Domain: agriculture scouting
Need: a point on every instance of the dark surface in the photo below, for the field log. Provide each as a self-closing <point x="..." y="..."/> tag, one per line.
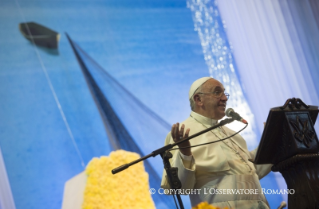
<point x="301" y="173"/>
<point x="291" y="144"/>
<point x="39" y="34"/>
<point x="278" y="142"/>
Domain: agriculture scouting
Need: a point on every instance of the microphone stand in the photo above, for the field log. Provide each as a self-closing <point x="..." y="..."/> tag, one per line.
<point x="171" y="172"/>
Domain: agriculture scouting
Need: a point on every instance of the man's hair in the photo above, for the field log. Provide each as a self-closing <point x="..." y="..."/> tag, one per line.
<point x="191" y="100"/>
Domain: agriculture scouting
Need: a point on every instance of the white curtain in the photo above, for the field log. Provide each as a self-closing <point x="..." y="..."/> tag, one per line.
<point x="6" y="199"/>
<point x="276" y="48"/>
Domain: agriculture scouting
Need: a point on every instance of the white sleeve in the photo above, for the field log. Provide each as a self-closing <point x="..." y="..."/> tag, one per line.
<point x="188" y="161"/>
<point x="261" y="169"/>
<point x="186" y="168"/>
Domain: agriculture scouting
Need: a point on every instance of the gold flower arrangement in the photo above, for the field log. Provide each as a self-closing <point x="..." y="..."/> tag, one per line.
<point x="127" y="189"/>
<point x="205" y="205"/>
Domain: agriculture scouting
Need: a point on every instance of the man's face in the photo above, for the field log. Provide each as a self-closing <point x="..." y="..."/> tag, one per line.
<point x="213" y="106"/>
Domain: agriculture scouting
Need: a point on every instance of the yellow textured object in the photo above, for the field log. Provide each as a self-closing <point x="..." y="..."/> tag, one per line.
<point x="127" y="189"/>
<point x="205" y="205"/>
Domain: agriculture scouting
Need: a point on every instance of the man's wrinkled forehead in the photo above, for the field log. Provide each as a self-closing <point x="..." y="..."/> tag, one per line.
<point x="213" y="85"/>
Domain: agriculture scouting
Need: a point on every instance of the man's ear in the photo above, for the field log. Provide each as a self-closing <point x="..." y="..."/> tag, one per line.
<point x="197" y="99"/>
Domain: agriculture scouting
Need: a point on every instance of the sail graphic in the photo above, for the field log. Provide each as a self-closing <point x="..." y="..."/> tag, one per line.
<point x="129" y="124"/>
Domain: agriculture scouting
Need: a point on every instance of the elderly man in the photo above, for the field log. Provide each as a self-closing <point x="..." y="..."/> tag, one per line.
<point x="220" y="173"/>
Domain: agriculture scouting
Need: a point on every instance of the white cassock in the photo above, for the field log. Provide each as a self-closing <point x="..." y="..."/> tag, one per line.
<point x="219" y="173"/>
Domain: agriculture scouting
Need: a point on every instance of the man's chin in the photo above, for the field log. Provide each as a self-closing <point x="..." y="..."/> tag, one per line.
<point x="221" y="115"/>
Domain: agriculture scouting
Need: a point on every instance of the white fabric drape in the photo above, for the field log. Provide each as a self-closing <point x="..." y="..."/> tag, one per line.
<point x="6" y="199"/>
<point x="276" y="49"/>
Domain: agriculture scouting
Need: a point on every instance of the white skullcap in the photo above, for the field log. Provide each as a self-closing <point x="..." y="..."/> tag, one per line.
<point x="196" y="85"/>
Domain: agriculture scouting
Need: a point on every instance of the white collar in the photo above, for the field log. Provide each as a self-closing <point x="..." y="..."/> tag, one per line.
<point x="204" y="120"/>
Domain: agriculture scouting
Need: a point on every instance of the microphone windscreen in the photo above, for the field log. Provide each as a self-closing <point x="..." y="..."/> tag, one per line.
<point x="228" y="111"/>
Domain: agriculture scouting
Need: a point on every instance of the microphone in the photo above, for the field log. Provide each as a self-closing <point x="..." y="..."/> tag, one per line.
<point x="231" y="113"/>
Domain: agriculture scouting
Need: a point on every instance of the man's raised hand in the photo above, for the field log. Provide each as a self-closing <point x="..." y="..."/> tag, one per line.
<point x="178" y="135"/>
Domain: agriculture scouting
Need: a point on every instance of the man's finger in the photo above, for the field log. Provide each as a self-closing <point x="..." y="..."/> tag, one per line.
<point x="181" y="132"/>
<point x="187" y="132"/>
<point x="173" y="131"/>
<point x="176" y="131"/>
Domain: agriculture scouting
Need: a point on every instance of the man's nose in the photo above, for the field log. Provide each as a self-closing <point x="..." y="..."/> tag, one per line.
<point x="224" y="97"/>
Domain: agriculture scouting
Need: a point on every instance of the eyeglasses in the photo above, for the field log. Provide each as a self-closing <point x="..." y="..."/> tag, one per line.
<point x="216" y="94"/>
